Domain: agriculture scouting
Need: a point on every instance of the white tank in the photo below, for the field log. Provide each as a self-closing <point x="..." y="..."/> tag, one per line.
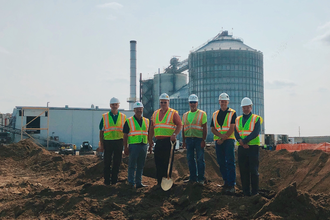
<point x="164" y="83"/>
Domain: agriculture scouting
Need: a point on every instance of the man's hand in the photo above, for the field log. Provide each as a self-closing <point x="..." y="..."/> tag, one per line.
<point x="203" y="144"/>
<point x="219" y="141"/>
<point x="245" y="146"/>
<point x="241" y="142"/>
<point x="126" y="151"/>
<point x="151" y="144"/>
<point x="183" y="145"/>
<point x="101" y="148"/>
<point x="173" y="137"/>
<point x="223" y="136"/>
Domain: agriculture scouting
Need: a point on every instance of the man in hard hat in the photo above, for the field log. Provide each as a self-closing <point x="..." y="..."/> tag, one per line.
<point x="164" y="126"/>
<point x="194" y="132"/>
<point x="247" y="134"/>
<point x="135" y="143"/>
<point x="222" y="126"/>
<point x="111" y="140"/>
<point x="74" y="149"/>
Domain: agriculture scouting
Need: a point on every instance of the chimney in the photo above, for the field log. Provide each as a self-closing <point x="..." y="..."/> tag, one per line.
<point x="132" y="97"/>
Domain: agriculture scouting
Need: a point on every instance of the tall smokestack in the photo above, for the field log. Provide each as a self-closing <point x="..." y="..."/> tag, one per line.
<point x="132" y="97"/>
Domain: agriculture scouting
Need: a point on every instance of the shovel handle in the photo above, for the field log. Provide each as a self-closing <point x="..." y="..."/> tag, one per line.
<point x="170" y="159"/>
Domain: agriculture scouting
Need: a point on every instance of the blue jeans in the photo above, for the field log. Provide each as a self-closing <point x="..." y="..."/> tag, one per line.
<point x="137" y="157"/>
<point x="192" y="145"/>
<point x="226" y="160"/>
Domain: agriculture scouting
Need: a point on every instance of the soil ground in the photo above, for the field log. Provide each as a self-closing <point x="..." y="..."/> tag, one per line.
<point x="38" y="184"/>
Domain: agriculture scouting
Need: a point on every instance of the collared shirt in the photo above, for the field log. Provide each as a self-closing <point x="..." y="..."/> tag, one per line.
<point x="221" y="117"/>
<point x="114" y="118"/>
<point x="253" y="134"/>
<point x="126" y="129"/>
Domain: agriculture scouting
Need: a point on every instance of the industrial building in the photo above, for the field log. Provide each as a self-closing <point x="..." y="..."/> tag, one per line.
<point x="222" y="64"/>
<point x="68" y="125"/>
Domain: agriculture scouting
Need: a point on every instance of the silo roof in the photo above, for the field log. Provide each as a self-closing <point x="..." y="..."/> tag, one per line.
<point x="224" y="41"/>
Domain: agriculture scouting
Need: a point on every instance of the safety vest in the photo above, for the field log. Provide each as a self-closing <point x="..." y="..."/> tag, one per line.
<point x="113" y="131"/>
<point x="226" y="123"/>
<point x="137" y="134"/>
<point x="166" y="127"/>
<point x="194" y="129"/>
<point x="248" y="128"/>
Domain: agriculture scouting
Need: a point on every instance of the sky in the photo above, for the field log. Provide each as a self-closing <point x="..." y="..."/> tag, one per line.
<point x="76" y="52"/>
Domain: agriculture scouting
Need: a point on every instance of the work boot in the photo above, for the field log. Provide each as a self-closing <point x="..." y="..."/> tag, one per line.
<point x="230" y="189"/>
<point x="201" y="183"/>
<point x="107" y="182"/>
<point x="141" y="186"/>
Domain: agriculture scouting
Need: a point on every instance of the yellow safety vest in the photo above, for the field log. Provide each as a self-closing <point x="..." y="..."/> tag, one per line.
<point x="137" y="134"/>
<point x="248" y="128"/>
<point x="194" y="129"/>
<point x="113" y="131"/>
<point x="166" y="127"/>
<point x="225" y="125"/>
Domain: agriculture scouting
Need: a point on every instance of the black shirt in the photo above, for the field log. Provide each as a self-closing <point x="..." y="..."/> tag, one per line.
<point x="221" y="117"/>
<point x="126" y="129"/>
<point x="253" y="134"/>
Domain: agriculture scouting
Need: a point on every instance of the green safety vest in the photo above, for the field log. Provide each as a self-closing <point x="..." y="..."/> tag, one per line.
<point x="194" y="129"/>
<point x="137" y="134"/>
<point x="113" y="131"/>
<point x="226" y="124"/>
<point x="166" y="127"/>
<point x="248" y="128"/>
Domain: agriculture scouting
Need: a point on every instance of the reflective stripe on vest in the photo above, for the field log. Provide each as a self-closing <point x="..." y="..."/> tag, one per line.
<point x="248" y="128"/>
<point x="226" y="123"/>
<point x="194" y="129"/>
<point x="166" y="127"/>
<point x="137" y="134"/>
<point x="113" y="131"/>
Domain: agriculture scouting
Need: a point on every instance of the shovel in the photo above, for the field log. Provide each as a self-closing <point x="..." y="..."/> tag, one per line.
<point x="167" y="182"/>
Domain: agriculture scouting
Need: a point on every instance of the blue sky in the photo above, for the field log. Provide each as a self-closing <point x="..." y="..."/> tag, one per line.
<point x="76" y="53"/>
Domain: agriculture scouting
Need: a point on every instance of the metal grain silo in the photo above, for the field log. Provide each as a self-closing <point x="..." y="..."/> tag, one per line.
<point x="226" y="64"/>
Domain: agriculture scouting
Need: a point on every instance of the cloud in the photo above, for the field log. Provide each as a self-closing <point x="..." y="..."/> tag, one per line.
<point x="323" y="90"/>
<point x="325" y="38"/>
<point x="112" y="5"/>
<point x="325" y="26"/>
<point x="111" y="17"/>
<point x="277" y="84"/>
<point x="3" y="50"/>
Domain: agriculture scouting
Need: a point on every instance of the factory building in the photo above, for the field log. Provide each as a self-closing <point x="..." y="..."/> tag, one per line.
<point x="223" y="64"/>
<point x="68" y="125"/>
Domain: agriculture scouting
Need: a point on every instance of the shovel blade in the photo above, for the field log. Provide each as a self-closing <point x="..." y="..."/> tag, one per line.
<point x="166" y="183"/>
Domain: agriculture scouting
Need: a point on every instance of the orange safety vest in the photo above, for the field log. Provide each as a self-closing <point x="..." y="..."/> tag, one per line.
<point x="194" y="129"/>
<point x="226" y="123"/>
<point x="166" y="127"/>
<point x="113" y="131"/>
<point x="137" y="133"/>
<point x="248" y="128"/>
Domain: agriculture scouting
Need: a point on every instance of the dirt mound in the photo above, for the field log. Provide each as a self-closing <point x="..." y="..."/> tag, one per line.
<point x="38" y="184"/>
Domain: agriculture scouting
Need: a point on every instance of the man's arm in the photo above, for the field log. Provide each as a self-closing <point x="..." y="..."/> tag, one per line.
<point x="204" y="126"/>
<point x="178" y="123"/>
<point x="101" y="136"/>
<point x="151" y="136"/>
<point x="183" y="138"/>
<point x="126" y="151"/>
<point x="215" y="132"/>
<point x="254" y="133"/>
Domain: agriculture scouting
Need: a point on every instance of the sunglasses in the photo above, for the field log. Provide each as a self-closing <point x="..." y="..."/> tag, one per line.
<point x="163" y="102"/>
<point x="192" y="102"/>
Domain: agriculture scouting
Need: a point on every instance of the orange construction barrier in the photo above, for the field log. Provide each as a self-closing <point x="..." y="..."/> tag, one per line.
<point x="298" y="147"/>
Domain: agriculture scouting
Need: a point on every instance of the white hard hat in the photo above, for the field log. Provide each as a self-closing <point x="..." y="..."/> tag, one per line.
<point x="193" y="98"/>
<point x="114" y="100"/>
<point x="246" y="101"/>
<point x="164" y="96"/>
<point x="224" y="96"/>
<point x="138" y="105"/>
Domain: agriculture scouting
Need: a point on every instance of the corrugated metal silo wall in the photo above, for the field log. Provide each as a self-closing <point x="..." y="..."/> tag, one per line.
<point x="147" y="97"/>
<point x="239" y="73"/>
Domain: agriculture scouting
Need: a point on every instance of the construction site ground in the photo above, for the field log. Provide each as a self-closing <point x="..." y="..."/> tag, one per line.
<point x="38" y="184"/>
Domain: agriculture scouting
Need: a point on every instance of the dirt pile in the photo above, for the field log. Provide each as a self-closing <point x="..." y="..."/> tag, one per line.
<point x="37" y="184"/>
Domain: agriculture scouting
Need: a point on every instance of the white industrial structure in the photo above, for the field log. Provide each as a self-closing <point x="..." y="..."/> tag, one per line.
<point x="68" y="125"/>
